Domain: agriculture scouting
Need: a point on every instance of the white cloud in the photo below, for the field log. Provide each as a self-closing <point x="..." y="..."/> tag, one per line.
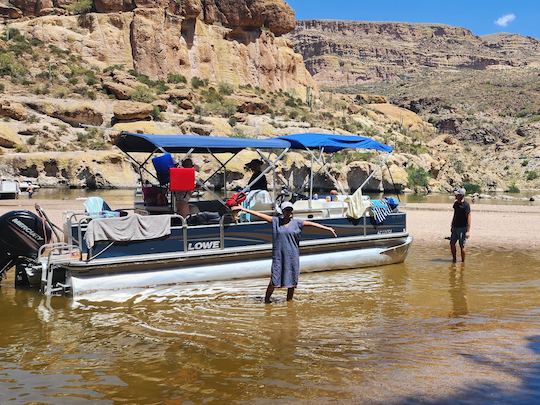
<point x="505" y="20"/>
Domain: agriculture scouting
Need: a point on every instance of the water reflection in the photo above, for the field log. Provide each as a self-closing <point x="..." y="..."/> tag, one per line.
<point x="457" y="290"/>
<point x="452" y="333"/>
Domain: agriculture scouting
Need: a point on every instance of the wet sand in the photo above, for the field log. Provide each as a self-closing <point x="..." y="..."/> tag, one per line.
<point x="493" y="226"/>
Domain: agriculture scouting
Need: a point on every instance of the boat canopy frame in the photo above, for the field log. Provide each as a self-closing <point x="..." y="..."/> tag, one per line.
<point x="315" y="144"/>
<point x="130" y="143"/>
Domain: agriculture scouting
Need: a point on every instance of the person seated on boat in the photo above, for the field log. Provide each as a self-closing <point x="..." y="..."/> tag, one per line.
<point x="182" y="198"/>
<point x="153" y="195"/>
<point x="256" y="167"/>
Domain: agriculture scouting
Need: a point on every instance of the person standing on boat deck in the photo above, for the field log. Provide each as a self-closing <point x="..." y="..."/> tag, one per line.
<point x="256" y="167"/>
<point x="182" y="198"/>
<point x="286" y="232"/>
<point x="461" y="224"/>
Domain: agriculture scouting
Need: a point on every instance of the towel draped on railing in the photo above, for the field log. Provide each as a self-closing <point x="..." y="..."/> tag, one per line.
<point x="380" y="210"/>
<point x="125" y="229"/>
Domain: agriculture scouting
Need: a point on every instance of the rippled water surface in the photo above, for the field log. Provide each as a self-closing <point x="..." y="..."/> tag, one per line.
<point x="422" y="331"/>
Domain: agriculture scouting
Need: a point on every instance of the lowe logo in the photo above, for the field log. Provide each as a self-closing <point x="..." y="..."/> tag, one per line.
<point x="27" y="229"/>
<point x="203" y="245"/>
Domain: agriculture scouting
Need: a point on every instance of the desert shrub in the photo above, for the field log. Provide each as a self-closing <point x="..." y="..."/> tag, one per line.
<point x="232" y="121"/>
<point x="347" y="157"/>
<point x="417" y="177"/>
<point x="197" y="82"/>
<point x="21" y="148"/>
<point x="91" y="94"/>
<point x="31" y="140"/>
<point x="80" y="6"/>
<point x="198" y="109"/>
<point x="60" y="92"/>
<point x="142" y="94"/>
<point x="90" y="78"/>
<point x="293" y="114"/>
<point x="525" y="163"/>
<point x="211" y="95"/>
<point x="42" y="89"/>
<point x="32" y="119"/>
<point x="160" y="86"/>
<point x="112" y="68"/>
<point x="513" y="188"/>
<point x="18" y="43"/>
<point x="225" y="89"/>
<point x="471" y="188"/>
<point x="73" y="80"/>
<point x="531" y="175"/>
<point x="156" y="113"/>
<point x="58" y="51"/>
<point x="176" y="78"/>
<point x="2" y="87"/>
<point x="9" y="66"/>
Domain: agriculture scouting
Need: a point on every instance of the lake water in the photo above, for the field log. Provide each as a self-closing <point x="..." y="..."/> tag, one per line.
<point x="126" y="196"/>
<point x="423" y="331"/>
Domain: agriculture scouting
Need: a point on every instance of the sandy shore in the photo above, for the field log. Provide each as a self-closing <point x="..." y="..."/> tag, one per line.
<point x="493" y="226"/>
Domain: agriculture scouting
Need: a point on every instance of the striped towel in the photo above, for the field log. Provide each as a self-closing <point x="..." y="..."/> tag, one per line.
<point x="380" y="210"/>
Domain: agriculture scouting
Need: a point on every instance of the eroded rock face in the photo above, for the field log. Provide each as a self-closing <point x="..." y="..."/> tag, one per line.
<point x="98" y="169"/>
<point x="132" y="111"/>
<point x="233" y="41"/>
<point x="342" y="53"/>
<point x="74" y="114"/>
<point x="8" y="137"/>
<point x="13" y="110"/>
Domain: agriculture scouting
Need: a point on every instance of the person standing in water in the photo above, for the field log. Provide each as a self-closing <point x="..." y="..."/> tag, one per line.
<point x="461" y="224"/>
<point x="286" y="231"/>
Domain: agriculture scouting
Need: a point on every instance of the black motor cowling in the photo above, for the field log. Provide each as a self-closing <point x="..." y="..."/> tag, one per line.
<point x="22" y="233"/>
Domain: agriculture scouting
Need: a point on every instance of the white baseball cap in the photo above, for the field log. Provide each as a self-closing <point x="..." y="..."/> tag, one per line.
<point x="459" y="191"/>
<point x="285" y="205"/>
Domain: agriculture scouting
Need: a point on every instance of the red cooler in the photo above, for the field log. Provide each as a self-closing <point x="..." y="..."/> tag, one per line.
<point x="182" y="179"/>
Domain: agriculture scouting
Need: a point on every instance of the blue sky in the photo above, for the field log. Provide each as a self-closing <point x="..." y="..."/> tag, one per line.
<point x="480" y="16"/>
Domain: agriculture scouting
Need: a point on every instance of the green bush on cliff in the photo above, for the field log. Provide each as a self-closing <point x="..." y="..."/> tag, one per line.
<point x="417" y="178"/>
<point x="197" y="82"/>
<point x="471" y="188"/>
<point x="225" y="89"/>
<point x="80" y="6"/>
<point x="9" y="66"/>
<point x="176" y="78"/>
<point x="512" y="188"/>
<point x="531" y="175"/>
<point x="142" y="94"/>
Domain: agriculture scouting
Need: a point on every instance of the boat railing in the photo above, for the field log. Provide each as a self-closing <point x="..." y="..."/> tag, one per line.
<point x="50" y="254"/>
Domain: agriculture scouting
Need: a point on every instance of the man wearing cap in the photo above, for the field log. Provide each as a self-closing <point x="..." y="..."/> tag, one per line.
<point x="286" y="232"/>
<point x="461" y="223"/>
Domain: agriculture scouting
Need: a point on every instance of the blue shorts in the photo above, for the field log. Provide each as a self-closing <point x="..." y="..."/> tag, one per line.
<point x="458" y="234"/>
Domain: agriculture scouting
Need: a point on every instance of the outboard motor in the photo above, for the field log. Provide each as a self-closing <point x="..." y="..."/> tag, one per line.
<point x="22" y="233"/>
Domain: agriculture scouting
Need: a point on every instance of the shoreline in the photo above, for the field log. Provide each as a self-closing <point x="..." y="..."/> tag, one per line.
<point x="493" y="226"/>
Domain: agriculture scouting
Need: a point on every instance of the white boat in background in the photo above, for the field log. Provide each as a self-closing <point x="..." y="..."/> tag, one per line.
<point x="163" y="248"/>
<point x="25" y="185"/>
<point x="9" y="189"/>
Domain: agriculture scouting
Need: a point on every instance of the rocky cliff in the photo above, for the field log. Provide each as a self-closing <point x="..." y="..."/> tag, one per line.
<point x="238" y="42"/>
<point x="341" y="53"/>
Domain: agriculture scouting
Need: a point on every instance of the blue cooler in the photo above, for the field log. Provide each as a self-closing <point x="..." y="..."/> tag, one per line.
<point x="162" y="164"/>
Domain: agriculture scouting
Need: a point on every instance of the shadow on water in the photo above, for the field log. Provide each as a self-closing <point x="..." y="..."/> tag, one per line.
<point x="526" y="392"/>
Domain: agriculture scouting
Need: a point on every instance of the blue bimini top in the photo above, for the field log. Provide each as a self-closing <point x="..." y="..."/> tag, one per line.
<point x="333" y="143"/>
<point x="130" y="142"/>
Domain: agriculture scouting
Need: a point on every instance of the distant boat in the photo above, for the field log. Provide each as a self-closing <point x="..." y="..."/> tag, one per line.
<point x="9" y="189"/>
<point x="24" y="185"/>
